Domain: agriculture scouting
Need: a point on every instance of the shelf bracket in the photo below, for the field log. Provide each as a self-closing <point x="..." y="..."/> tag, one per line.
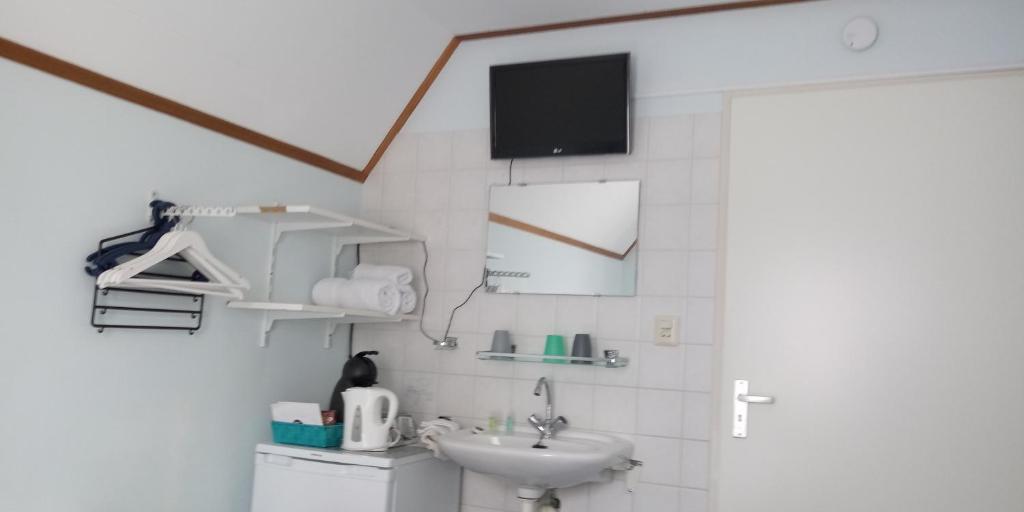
<point x="268" y="321"/>
<point x="275" y="241"/>
<point x="268" y="325"/>
<point x="337" y="246"/>
<point x="330" y="328"/>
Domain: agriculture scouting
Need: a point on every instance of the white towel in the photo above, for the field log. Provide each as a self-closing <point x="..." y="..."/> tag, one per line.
<point x="431" y="430"/>
<point x="399" y="275"/>
<point x="369" y="294"/>
<point x="408" y="299"/>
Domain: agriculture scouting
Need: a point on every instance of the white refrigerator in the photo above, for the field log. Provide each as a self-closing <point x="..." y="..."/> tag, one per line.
<point x="407" y="479"/>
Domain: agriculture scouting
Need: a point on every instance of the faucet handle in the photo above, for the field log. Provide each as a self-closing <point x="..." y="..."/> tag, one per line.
<point x="536" y="422"/>
<point x="559" y="423"/>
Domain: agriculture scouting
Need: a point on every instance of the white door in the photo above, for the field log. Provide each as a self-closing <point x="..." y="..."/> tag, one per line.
<point x="874" y="285"/>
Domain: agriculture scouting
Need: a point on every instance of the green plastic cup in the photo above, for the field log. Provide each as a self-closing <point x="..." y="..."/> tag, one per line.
<point x="554" y="346"/>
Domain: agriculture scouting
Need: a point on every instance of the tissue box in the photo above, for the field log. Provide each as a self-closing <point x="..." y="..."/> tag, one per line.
<point x="316" y="436"/>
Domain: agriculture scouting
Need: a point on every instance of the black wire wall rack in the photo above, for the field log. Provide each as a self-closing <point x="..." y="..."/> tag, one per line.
<point x="155" y="314"/>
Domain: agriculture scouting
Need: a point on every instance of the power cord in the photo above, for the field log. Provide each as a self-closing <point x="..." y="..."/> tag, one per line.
<point x="426" y="292"/>
<point x="510" y="171"/>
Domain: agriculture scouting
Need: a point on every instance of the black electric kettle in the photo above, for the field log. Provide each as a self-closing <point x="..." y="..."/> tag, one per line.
<point x="359" y="371"/>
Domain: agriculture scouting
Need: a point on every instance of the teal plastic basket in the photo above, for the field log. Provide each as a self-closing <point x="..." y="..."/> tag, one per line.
<point x="317" y="436"/>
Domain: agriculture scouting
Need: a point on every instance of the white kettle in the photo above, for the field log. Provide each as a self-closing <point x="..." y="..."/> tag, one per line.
<point x="364" y="428"/>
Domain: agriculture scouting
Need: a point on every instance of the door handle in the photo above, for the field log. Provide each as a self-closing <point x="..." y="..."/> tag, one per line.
<point x="740" y="402"/>
<point x="754" y="399"/>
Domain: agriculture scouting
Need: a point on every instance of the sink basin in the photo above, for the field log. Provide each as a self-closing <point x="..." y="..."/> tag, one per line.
<point x="571" y="457"/>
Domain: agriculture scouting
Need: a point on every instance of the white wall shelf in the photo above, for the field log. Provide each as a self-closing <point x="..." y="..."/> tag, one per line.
<point x="275" y="311"/>
<point x="348" y="230"/>
<point x="345" y="230"/>
<point x="295" y="311"/>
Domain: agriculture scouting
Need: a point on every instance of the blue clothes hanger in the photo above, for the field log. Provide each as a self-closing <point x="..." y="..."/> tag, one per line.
<point x="107" y="257"/>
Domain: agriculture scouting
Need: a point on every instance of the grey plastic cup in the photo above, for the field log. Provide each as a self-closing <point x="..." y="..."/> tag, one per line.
<point x="501" y="342"/>
<point x="581" y="347"/>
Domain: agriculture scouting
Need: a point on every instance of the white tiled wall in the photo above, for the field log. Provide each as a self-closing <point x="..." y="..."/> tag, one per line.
<point x="437" y="184"/>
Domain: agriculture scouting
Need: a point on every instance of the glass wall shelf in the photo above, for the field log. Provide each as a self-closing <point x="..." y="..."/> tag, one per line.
<point x="600" y="362"/>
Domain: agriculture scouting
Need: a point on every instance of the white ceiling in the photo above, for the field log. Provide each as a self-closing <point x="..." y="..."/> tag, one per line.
<point x="329" y="76"/>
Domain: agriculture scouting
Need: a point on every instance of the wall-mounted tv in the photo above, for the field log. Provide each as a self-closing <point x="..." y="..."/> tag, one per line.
<point x="563" y="107"/>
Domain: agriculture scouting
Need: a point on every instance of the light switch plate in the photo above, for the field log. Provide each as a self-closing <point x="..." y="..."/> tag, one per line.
<point x="666" y="330"/>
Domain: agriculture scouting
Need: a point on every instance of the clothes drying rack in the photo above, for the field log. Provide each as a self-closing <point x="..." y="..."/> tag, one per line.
<point x="101" y="303"/>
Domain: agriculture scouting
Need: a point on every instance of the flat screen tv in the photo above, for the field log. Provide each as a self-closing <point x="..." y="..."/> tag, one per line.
<point x="560" y="107"/>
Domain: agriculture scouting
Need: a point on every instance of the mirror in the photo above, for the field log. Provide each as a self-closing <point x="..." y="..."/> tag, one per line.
<point x="564" y="238"/>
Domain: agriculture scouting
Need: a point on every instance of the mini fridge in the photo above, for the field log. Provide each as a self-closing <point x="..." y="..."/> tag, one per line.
<point x="407" y="479"/>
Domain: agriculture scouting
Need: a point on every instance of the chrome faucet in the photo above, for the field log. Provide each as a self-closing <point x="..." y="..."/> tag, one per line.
<point x="550" y="424"/>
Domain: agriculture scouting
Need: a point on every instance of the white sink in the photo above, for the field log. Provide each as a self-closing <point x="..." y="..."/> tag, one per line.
<point x="571" y="457"/>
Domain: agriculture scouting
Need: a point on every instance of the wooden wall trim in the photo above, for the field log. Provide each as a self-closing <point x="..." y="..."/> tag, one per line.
<point x="82" y="76"/>
<point x="625" y="18"/>
<point x="411" y="106"/>
<point x="551" y="235"/>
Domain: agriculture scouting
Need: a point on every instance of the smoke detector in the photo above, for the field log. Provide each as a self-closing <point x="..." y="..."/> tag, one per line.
<point x="860" y="34"/>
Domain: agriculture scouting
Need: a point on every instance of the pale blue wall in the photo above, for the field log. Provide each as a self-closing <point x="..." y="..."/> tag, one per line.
<point x="132" y="421"/>
<point x="680" y="65"/>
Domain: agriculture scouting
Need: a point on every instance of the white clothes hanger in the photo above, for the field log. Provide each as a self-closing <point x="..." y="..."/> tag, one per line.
<point x="223" y="280"/>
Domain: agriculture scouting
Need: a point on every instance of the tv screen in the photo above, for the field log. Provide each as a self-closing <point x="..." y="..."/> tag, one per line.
<point x="560" y="107"/>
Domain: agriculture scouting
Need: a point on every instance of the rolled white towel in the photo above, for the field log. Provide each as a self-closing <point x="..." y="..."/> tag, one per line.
<point x="408" y="299"/>
<point x="399" y="275"/>
<point x="431" y="430"/>
<point x="369" y="294"/>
